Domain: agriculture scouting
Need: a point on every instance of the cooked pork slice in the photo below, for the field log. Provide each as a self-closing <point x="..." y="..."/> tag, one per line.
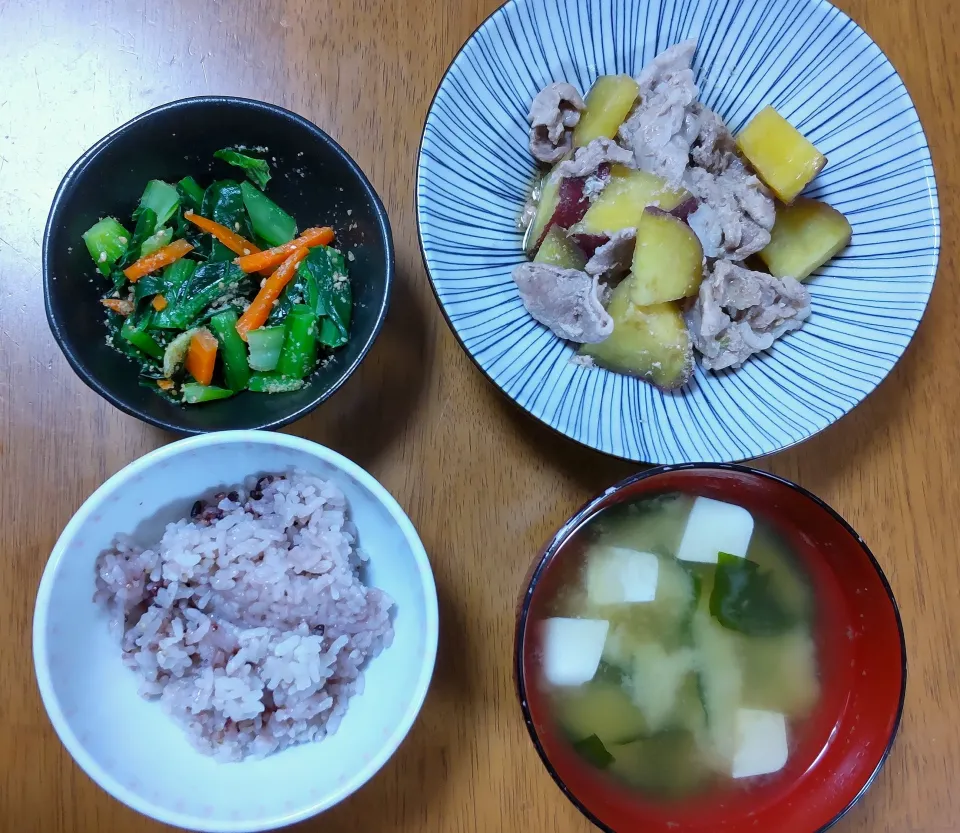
<point x="589" y="160"/>
<point x="554" y="113"/>
<point x="739" y="312"/>
<point x="736" y="211"/>
<point x="665" y="122"/>
<point x="565" y="300"/>
<point x="614" y="258"/>
<point x="714" y="145"/>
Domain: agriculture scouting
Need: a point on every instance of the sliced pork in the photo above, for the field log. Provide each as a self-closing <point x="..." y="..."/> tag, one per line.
<point x="565" y="300"/>
<point x="736" y="212"/>
<point x="595" y="159"/>
<point x="553" y="114"/>
<point x="664" y="124"/>
<point x="614" y="259"/>
<point x="740" y="312"/>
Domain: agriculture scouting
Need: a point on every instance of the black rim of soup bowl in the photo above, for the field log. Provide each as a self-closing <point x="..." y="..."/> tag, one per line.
<point x="584" y="514"/>
<point x="170" y="420"/>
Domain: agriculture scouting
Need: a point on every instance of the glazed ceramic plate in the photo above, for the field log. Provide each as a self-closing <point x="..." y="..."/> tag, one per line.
<point x="807" y="59"/>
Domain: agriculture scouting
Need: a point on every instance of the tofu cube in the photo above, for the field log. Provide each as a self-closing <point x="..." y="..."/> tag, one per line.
<point x="572" y="649"/>
<point x="715" y="527"/>
<point x="617" y="575"/>
<point x="761" y="743"/>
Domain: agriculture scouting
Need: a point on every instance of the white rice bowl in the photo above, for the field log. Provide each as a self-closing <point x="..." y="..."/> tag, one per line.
<point x="201" y="689"/>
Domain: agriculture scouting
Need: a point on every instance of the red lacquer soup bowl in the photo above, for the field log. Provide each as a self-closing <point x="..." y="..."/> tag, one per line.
<point x="861" y="658"/>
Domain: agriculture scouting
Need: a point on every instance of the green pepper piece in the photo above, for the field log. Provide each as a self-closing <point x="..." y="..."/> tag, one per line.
<point x="273" y="383"/>
<point x="298" y="357"/>
<point x="194" y="393"/>
<point x="233" y="352"/>
<point x="136" y="334"/>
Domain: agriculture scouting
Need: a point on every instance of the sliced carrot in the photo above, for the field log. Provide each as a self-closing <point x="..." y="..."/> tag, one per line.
<point x="233" y="241"/>
<point x="157" y="260"/>
<point x="202" y="356"/>
<point x="259" y="309"/>
<point x="271" y="258"/>
<point x="118" y="305"/>
<point x="164" y="384"/>
<point x="159" y="303"/>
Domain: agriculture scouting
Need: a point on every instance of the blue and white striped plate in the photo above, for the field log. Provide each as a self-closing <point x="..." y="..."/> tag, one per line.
<point x="821" y="71"/>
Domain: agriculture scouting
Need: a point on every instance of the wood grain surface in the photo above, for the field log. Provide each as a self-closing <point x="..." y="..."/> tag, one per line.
<point x="484" y="483"/>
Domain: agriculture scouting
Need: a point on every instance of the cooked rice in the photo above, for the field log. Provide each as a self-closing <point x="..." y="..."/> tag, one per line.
<point x="249" y="620"/>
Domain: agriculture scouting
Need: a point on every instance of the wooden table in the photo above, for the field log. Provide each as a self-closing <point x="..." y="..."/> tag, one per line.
<point x="484" y="484"/>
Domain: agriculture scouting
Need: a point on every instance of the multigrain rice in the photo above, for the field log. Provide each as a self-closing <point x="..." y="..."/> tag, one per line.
<point x="248" y="620"/>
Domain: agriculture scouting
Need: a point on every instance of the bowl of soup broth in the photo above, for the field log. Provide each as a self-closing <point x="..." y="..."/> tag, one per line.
<point x="710" y="649"/>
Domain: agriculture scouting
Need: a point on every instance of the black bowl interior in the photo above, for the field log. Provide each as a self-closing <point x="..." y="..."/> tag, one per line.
<point x="314" y="180"/>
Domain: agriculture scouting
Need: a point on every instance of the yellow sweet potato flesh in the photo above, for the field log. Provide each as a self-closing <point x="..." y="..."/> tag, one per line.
<point x="780" y="154"/>
<point x="651" y="343"/>
<point x="667" y="261"/>
<point x="622" y="203"/>
<point x="608" y="103"/>
<point x="806" y="235"/>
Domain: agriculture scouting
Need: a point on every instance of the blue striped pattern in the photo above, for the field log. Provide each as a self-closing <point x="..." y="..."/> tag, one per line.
<point x="816" y="67"/>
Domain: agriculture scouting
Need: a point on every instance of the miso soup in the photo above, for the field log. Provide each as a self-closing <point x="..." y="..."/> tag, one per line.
<point x="678" y="655"/>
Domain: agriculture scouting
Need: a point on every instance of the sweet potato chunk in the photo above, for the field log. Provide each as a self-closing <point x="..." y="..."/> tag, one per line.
<point x="780" y="154"/>
<point x="608" y="103"/>
<point x="624" y="199"/>
<point x="667" y="261"/>
<point x="546" y="208"/>
<point x="649" y="342"/>
<point x="559" y="250"/>
<point x="806" y="235"/>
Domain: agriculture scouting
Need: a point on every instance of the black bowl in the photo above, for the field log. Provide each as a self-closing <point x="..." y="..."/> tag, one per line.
<point x="314" y="180"/>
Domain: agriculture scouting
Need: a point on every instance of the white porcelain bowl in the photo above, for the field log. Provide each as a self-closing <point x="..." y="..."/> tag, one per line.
<point x="127" y="744"/>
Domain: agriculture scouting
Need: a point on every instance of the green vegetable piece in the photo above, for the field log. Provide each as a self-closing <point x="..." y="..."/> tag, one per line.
<point x="593" y="750"/>
<point x="265" y="344"/>
<point x="669" y="765"/>
<point x="149" y="381"/>
<point x="146" y="223"/>
<point x="273" y="383"/>
<point x="162" y="198"/>
<point x="743" y="599"/>
<point x="223" y="203"/>
<point x="114" y="324"/>
<point x="301" y="290"/>
<point x="270" y="222"/>
<point x="188" y="301"/>
<point x="194" y="393"/>
<point x="233" y="352"/>
<point x="106" y="241"/>
<point x="155" y="241"/>
<point x="163" y="283"/>
<point x="178" y="272"/>
<point x="176" y="353"/>
<point x="256" y="169"/>
<point x="191" y="194"/>
<point x="335" y="297"/>
<point x="298" y="357"/>
<point x="139" y="338"/>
